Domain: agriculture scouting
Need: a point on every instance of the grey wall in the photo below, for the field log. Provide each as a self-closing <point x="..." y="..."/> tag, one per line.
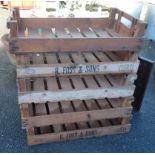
<point x="150" y="31"/>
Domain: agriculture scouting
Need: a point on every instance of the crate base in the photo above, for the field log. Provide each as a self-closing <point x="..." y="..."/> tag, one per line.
<point x="76" y="134"/>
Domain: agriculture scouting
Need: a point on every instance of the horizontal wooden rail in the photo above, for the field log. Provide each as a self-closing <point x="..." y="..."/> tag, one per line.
<point x="28" y="45"/>
<point x="68" y="135"/>
<point x="46" y="23"/>
<point x="84" y="94"/>
<point x="73" y="69"/>
<point x="73" y="117"/>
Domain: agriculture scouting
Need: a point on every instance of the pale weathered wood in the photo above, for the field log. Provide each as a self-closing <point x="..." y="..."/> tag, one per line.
<point x="72" y="117"/>
<point x="39" y="139"/>
<point x="44" y="96"/>
<point x="71" y="69"/>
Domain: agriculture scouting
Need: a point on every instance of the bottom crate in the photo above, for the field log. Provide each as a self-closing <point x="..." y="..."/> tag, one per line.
<point x="38" y="138"/>
<point x="66" y="120"/>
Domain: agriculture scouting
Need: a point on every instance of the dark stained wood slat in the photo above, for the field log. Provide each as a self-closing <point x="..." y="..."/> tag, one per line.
<point x="102" y="33"/>
<point x="51" y="58"/>
<point x="74" y="44"/>
<point x="62" y="33"/>
<point x="63" y="22"/>
<point x="112" y="33"/>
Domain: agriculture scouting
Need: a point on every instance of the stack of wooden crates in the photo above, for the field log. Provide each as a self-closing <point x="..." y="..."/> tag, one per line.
<point x="75" y="76"/>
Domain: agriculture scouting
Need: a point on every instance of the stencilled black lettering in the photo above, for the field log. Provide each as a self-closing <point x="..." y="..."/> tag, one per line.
<point x="126" y="67"/>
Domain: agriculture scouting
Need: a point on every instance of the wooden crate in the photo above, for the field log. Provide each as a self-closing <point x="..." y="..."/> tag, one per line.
<point x="68" y="120"/>
<point x="48" y="101"/>
<point x="75" y="77"/>
<point x="74" y="34"/>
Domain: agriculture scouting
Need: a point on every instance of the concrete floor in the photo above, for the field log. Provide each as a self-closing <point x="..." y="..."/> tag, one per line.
<point x="13" y="138"/>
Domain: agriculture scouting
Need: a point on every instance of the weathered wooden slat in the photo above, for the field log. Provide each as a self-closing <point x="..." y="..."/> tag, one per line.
<point x="44" y="96"/>
<point x="112" y="15"/>
<point x="72" y="117"/>
<point x="63" y="22"/>
<point x="45" y="138"/>
<point x="112" y="32"/>
<point x="101" y="32"/>
<point x="24" y="45"/>
<point x="71" y="69"/>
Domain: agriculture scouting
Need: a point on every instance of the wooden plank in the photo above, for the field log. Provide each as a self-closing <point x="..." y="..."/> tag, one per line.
<point x="89" y="33"/>
<point x="13" y="25"/>
<point x="35" y="33"/>
<point x="75" y="33"/>
<point x="45" y="138"/>
<point x="118" y="21"/>
<point x="44" y="96"/>
<point x="112" y="32"/>
<point x="61" y="33"/>
<point x="112" y="15"/>
<point x="126" y="102"/>
<point x="44" y="45"/>
<point x="51" y="58"/>
<point x="63" y="22"/>
<point x="140" y="29"/>
<point x="72" y="69"/>
<point x="112" y="56"/>
<point x="101" y="33"/>
<point x="72" y="117"/>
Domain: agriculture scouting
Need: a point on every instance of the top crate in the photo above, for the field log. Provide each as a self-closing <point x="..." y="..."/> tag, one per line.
<point x="75" y="34"/>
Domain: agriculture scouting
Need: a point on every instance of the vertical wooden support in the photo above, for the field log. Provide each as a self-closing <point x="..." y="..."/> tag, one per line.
<point x="132" y="29"/>
<point x="22" y="87"/>
<point x="137" y="30"/>
<point x="127" y="103"/>
<point x="112" y="15"/>
<point x="16" y="14"/>
<point x="140" y="29"/>
<point x="13" y="25"/>
<point x="117" y="26"/>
